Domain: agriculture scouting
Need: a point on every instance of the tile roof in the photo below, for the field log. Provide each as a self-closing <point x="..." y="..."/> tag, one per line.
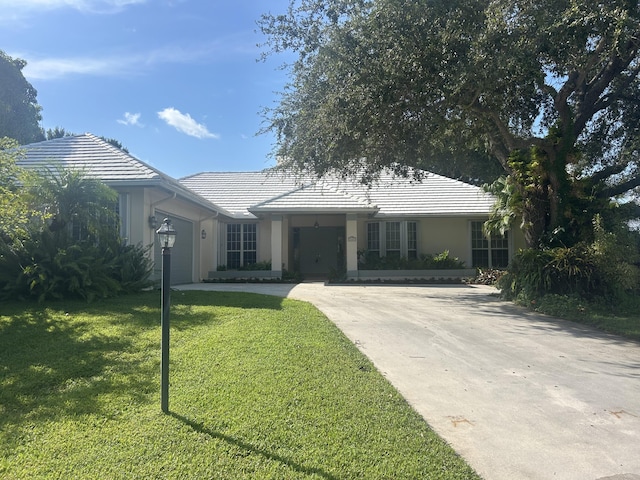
<point x="315" y="198"/>
<point x="237" y="191"/>
<point x="244" y="192"/>
<point x="94" y="156"/>
<point x="99" y="159"/>
<point x="434" y="195"/>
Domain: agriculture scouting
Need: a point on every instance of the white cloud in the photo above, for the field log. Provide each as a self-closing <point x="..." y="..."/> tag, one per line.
<point x="130" y="119"/>
<point x="112" y="65"/>
<point x="185" y="124"/>
<point x="13" y="9"/>
<point x="50" y="68"/>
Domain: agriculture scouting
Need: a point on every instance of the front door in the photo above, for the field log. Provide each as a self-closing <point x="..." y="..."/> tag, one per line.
<point x="321" y="251"/>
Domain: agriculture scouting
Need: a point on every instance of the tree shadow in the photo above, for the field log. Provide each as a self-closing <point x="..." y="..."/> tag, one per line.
<point x="200" y="428"/>
<point x="233" y="299"/>
<point x="52" y="368"/>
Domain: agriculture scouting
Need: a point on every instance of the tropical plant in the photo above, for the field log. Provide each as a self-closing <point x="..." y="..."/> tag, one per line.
<point x="77" y="251"/>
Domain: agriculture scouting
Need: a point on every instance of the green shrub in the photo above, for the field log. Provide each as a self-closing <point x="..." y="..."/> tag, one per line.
<point x="561" y="270"/>
<point x="258" y="266"/>
<point x="606" y="268"/>
<point x="49" y="267"/>
<point x="373" y="261"/>
<point x="132" y="267"/>
<point x="616" y="257"/>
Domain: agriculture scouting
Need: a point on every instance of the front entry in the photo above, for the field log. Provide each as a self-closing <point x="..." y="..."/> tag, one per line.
<point x="319" y="251"/>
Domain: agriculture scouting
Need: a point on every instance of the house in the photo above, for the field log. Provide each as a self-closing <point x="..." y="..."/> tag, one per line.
<point x="146" y="197"/>
<point x="311" y="226"/>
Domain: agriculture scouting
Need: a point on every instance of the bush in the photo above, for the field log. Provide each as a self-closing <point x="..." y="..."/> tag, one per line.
<point x="442" y="261"/>
<point x="561" y="270"/>
<point x="606" y="268"/>
<point x="48" y="267"/>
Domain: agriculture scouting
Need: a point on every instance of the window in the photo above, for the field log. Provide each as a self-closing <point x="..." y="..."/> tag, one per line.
<point x="373" y="238"/>
<point x="412" y="240"/>
<point x="393" y="239"/>
<point x="242" y="244"/>
<point x="492" y="252"/>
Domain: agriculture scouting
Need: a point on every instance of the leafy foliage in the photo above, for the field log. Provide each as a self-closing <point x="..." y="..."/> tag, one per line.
<point x="16" y="203"/>
<point x="607" y="268"/>
<point x="19" y="110"/>
<point x="77" y="251"/>
<point x="373" y="261"/>
<point x="544" y="92"/>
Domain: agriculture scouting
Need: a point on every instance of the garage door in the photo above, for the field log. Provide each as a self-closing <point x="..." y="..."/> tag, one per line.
<point x="181" y="253"/>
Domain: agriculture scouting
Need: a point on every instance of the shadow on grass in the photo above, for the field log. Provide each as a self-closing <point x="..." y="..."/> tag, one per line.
<point x="52" y="367"/>
<point x="226" y="299"/>
<point x="185" y="312"/>
<point x="198" y="427"/>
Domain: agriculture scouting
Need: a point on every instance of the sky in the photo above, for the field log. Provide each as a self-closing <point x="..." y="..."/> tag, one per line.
<point x="179" y="83"/>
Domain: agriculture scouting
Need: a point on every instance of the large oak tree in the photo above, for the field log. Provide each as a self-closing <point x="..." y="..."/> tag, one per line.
<point x="545" y="92"/>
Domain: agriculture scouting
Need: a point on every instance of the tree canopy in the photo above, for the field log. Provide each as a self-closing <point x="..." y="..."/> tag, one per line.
<point x="544" y="92"/>
<point x="19" y="110"/>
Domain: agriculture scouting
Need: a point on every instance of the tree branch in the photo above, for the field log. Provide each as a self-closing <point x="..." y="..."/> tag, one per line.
<point x="592" y="101"/>
<point x="607" y="172"/>
<point x="619" y="189"/>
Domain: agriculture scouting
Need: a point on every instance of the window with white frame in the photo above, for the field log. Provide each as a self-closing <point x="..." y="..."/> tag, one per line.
<point x="242" y="244"/>
<point x="393" y="239"/>
<point x="491" y="251"/>
<point x="373" y="238"/>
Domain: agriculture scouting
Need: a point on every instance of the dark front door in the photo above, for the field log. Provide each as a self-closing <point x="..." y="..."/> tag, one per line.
<point x="321" y="251"/>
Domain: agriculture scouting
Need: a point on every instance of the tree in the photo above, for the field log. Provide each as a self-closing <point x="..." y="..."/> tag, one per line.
<point x="115" y="143"/>
<point x="57" y="132"/>
<point x="16" y="205"/>
<point x="548" y="90"/>
<point x="19" y="110"/>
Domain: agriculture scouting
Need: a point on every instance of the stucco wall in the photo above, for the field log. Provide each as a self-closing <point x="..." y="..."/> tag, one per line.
<point x="439" y="234"/>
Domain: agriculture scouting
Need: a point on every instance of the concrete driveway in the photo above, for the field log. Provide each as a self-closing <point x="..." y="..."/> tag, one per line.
<point x="518" y="395"/>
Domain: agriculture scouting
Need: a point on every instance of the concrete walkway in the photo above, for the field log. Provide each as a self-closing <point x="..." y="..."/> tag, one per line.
<point x="518" y="395"/>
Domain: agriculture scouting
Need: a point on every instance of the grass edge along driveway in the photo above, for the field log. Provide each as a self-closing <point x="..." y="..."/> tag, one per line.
<point x="261" y="387"/>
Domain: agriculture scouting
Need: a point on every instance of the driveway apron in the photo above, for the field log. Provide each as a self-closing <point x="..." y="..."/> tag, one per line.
<point x="517" y="394"/>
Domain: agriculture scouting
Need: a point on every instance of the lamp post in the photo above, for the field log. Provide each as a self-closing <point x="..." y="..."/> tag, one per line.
<point x="167" y="236"/>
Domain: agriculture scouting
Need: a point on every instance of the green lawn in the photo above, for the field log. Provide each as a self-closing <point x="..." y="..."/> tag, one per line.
<point x="261" y="387"/>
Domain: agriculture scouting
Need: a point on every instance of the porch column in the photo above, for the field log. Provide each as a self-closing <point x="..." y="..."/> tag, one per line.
<point x="276" y="246"/>
<point x="352" y="245"/>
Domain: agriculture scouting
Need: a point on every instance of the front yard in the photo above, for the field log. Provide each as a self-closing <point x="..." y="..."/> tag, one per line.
<point x="261" y="387"/>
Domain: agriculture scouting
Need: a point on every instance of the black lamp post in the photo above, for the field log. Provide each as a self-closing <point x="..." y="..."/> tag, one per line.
<point x="167" y="236"/>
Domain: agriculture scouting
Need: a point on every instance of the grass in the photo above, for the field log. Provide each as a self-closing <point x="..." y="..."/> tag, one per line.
<point x="620" y="318"/>
<point x="261" y="387"/>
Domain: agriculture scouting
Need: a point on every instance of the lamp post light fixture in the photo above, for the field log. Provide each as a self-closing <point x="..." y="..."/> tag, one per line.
<point x="167" y="236"/>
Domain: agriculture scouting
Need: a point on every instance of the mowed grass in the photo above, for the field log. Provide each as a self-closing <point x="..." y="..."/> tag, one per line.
<point x="261" y="387"/>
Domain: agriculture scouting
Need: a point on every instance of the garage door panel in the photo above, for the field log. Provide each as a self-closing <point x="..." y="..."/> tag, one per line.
<point x="181" y="253"/>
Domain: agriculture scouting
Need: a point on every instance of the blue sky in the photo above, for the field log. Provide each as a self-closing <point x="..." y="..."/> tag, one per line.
<point x="178" y="82"/>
